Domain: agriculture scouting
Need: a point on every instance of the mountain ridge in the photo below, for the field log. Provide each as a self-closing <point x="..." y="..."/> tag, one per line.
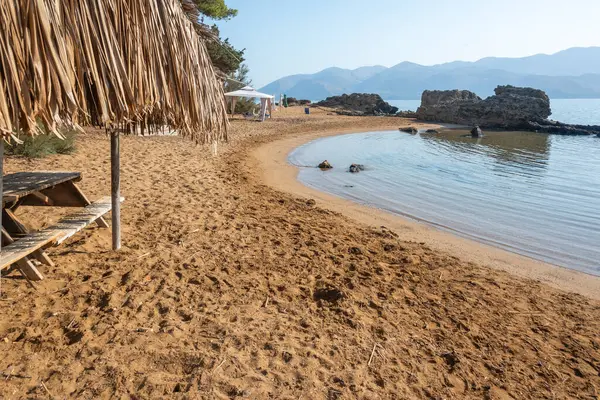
<point x="570" y="73"/>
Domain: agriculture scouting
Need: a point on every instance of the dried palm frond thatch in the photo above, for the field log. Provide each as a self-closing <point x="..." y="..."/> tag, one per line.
<point x="110" y="61"/>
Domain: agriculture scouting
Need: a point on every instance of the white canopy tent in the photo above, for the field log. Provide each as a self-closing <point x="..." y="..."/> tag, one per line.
<point x="248" y="92"/>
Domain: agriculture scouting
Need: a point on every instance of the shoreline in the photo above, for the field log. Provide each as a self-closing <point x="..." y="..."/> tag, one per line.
<point x="270" y="159"/>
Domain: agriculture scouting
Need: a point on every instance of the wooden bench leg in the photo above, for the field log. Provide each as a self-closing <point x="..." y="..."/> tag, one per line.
<point x="13" y="224"/>
<point x="25" y="265"/>
<point x="42" y="257"/>
<point x="29" y="270"/>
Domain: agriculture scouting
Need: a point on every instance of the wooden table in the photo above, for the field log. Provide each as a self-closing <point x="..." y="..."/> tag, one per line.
<point x="37" y="189"/>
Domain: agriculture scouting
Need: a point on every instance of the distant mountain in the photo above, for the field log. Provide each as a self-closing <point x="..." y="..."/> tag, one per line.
<point x="575" y="61"/>
<point x="330" y="80"/>
<point x="572" y="73"/>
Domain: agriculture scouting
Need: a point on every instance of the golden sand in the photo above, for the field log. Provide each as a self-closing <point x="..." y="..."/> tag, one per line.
<point x="233" y="283"/>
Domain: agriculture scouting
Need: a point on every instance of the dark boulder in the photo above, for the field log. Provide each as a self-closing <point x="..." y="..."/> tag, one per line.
<point x="432" y="131"/>
<point x="325" y="165"/>
<point x="409" y="129"/>
<point x="356" y="168"/>
<point x="359" y="104"/>
<point x="476" y="132"/>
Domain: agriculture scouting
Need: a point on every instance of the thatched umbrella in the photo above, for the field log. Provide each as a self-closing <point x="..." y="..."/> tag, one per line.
<point x="112" y="61"/>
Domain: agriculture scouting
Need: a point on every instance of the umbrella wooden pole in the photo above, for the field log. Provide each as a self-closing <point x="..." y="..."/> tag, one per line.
<point x="115" y="188"/>
<point x="1" y="180"/>
<point x="233" y="103"/>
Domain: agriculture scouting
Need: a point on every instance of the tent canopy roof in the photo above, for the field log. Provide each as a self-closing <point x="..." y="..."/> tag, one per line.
<point x="250" y="93"/>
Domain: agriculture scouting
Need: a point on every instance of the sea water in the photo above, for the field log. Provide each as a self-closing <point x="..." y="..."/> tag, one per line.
<point x="533" y="194"/>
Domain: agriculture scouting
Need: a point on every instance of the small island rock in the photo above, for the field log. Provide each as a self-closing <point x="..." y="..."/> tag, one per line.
<point x="510" y="108"/>
<point x="432" y="131"/>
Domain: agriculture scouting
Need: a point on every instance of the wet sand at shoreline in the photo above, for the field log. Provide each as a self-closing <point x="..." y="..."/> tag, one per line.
<point x="229" y="288"/>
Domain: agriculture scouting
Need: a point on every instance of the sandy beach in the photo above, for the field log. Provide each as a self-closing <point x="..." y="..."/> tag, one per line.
<point x="271" y="160"/>
<point x="236" y="281"/>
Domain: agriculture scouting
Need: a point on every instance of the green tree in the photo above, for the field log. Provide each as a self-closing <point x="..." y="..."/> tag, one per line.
<point x="215" y="9"/>
<point x="225" y="58"/>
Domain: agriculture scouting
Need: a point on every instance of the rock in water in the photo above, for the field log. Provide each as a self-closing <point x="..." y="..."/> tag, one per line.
<point x="359" y="104"/>
<point x="476" y="132"/>
<point x="325" y="165"/>
<point x="432" y="131"/>
<point x="356" y="168"/>
<point x="562" y="129"/>
<point x="511" y="107"/>
<point x="409" y="129"/>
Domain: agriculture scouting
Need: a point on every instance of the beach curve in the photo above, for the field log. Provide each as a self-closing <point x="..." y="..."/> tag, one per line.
<point x="271" y="159"/>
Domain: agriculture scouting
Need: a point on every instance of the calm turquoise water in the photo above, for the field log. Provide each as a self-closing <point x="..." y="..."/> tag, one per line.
<point x="533" y="194"/>
<point x="570" y="111"/>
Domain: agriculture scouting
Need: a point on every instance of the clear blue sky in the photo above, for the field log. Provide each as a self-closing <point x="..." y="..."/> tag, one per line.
<point x="305" y="36"/>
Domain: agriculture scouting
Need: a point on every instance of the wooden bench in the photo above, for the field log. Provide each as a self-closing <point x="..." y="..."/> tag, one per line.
<point x="51" y="236"/>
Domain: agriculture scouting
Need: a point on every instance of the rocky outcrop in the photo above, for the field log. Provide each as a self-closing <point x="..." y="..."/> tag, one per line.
<point x="359" y="104"/>
<point x="563" y="129"/>
<point x="511" y="107"/>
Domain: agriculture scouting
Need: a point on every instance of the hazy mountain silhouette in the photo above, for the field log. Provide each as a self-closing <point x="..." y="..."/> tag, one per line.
<point x="571" y="73"/>
<point x="330" y="80"/>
